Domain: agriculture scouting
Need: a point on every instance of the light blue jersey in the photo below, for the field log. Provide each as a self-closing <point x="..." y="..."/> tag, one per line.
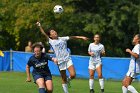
<point x="96" y="49"/>
<point x="60" y="48"/>
<point x="135" y="63"/>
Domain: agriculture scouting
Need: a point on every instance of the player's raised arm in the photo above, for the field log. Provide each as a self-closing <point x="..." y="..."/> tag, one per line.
<point x="79" y="37"/>
<point x="42" y="30"/>
<point x="28" y="74"/>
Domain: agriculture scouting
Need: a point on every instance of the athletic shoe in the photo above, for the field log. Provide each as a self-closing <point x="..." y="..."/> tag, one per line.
<point x="91" y="90"/>
<point x="102" y="90"/>
<point x="68" y="82"/>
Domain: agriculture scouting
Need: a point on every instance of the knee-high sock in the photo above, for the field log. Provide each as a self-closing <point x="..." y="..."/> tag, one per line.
<point x="124" y="89"/>
<point x="42" y="90"/>
<point x="65" y="88"/>
<point x="101" y="82"/>
<point x="132" y="89"/>
<point x="91" y="83"/>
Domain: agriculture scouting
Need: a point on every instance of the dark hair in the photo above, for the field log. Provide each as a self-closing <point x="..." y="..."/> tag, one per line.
<point x="49" y="31"/>
<point x="37" y="44"/>
<point x="96" y="34"/>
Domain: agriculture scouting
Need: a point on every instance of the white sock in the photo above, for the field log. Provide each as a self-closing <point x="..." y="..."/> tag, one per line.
<point x="124" y="89"/>
<point x="132" y="89"/>
<point x="65" y="88"/>
<point x="91" y="83"/>
<point x="101" y="82"/>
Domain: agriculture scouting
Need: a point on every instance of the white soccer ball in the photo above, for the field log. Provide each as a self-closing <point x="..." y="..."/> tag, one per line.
<point x="58" y="9"/>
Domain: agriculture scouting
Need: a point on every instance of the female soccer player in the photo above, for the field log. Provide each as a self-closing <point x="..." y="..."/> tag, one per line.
<point x="134" y="67"/>
<point x="95" y="50"/>
<point x="41" y="73"/>
<point x="59" y="45"/>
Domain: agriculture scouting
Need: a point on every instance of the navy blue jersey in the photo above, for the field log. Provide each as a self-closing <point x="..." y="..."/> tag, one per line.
<point x="40" y="66"/>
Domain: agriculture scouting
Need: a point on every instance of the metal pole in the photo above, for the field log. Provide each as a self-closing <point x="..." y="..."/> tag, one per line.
<point x="11" y="59"/>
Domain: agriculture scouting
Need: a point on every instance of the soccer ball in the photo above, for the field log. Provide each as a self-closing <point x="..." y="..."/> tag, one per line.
<point x="58" y="9"/>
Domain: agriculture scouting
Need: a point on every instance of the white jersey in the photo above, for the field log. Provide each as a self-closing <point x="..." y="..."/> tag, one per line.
<point x="60" y="48"/>
<point x="96" y="49"/>
<point x="135" y="63"/>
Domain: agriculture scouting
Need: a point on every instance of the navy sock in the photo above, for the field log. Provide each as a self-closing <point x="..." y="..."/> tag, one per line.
<point x="42" y="90"/>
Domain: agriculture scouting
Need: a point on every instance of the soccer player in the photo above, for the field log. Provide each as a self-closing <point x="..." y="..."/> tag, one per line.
<point x="95" y="50"/>
<point x="134" y="66"/>
<point x="59" y="45"/>
<point x="41" y="73"/>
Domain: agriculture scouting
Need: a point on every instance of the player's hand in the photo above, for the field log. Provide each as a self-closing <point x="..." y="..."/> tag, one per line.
<point x="128" y="50"/>
<point x="84" y="38"/>
<point x="55" y="60"/>
<point x="38" y="24"/>
<point x="103" y="52"/>
<point x="91" y="53"/>
<point x="28" y="79"/>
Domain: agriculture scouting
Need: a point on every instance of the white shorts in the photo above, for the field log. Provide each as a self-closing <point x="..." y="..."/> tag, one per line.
<point x="132" y="74"/>
<point x="94" y="66"/>
<point x="65" y="65"/>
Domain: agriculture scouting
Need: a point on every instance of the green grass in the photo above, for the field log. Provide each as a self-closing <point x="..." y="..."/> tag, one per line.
<point x="14" y="82"/>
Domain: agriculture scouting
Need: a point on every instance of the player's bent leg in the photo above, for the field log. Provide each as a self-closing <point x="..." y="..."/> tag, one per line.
<point x="49" y="86"/>
<point x="99" y="71"/>
<point x="129" y="86"/>
<point x="101" y="80"/>
<point x="41" y="85"/>
<point x="124" y="88"/>
<point x="64" y="81"/>
<point x="91" y="80"/>
<point x="72" y="72"/>
<point x="63" y="76"/>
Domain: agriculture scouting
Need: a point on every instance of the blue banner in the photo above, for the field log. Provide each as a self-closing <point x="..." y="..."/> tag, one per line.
<point x="113" y="68"/>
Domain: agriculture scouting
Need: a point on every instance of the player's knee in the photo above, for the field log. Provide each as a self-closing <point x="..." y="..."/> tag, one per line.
<point x="40" y="84"/>
<point x="73" y="76"/>
<point x="49" y="90"/>
<point x="91" y="76"/>
<point x="125" y="83"/>
<point x="100" y="76"/>
<point x="64" y="80"/>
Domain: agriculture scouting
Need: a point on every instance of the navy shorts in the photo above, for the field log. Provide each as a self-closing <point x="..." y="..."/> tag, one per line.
<point x="46" y="77"/>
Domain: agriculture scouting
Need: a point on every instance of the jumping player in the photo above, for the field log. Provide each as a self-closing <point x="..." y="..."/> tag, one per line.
<point x="59" y="45"/>
<point x="134" y="66"/>
<point x="41" y="73"/>
<point x="95" y="50"/>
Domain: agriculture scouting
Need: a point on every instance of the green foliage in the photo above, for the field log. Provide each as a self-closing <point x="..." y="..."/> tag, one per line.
<point x="116" y="20"/>
<point x="14" y="82"/>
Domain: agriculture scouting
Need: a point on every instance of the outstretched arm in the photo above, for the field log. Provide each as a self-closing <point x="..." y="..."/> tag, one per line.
<point x="79" y="37"/>
<point x="42" y="30"/>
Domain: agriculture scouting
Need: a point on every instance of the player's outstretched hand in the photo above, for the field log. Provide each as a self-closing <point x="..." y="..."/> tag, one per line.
<point x="38" y="24"/>
<point x="28" y="80"/>
<point x="91" y="53"/>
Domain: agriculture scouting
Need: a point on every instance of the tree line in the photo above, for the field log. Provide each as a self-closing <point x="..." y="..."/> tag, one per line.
<point x="115" y="20"/>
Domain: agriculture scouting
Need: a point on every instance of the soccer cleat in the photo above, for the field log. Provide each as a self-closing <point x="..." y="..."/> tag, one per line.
<point x="102" y="90"/>
<point x="91" y="90"/>
<point x="68" y="82"/>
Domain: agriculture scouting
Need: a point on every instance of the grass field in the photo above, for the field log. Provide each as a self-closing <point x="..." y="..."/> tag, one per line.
<point x="14" y="82"/>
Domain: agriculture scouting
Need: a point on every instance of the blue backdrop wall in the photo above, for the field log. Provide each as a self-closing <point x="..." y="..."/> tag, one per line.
<point x="113" y="68"/>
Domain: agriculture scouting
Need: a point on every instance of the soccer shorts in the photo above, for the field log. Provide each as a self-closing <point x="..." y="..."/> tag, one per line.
<point x="65" y="65"/>
<point x="45" y="77"/>
<point x="132" y="74"/>
<point x="94" y="66"/>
